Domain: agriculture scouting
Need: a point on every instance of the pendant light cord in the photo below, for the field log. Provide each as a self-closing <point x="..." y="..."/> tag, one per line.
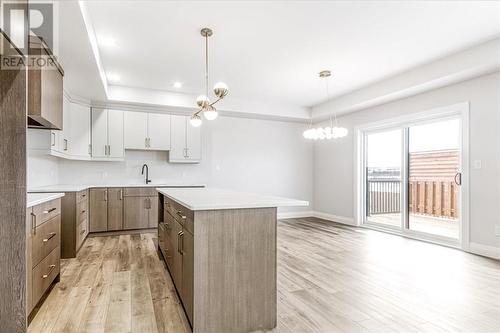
<point x="206" y="65"/>
<point x="333" y="116"/>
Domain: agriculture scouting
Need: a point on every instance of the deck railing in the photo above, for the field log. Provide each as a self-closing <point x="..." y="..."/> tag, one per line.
<point x="437" y="198"/>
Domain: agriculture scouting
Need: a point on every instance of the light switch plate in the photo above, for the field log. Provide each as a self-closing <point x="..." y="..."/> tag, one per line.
<point x="477" y="164"/>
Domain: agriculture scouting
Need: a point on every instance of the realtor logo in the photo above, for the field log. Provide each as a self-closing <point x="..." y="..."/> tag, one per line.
<point x="41" y="22"/>
<point x="19" y="21"/>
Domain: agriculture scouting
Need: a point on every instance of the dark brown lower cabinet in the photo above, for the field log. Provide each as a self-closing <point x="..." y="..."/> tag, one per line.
<point x="98" y="209"/>
<point x="128" y="208"/>
<point x="115" y="209"/>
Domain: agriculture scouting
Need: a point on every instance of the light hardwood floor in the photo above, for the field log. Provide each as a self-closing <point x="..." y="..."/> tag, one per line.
<point x="331" y="278"/>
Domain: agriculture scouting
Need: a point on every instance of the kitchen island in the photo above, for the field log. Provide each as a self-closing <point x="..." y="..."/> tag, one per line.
<point x="220" y="249"/>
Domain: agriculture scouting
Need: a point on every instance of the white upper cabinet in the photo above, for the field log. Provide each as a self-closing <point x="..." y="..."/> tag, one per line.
<point x="147" y="131"/>
<point x="185" y="141"/>
<point x="72" y="142"/>
<point x="136" y="130"/>
<point x="79" y="132"/>
<point x="107" y="134"/>
<point x="115" y="134"/>
<point x="159" y="131"/>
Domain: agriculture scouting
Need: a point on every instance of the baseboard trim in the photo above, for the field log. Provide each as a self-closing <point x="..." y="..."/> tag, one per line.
<point x="335" y="218"/>
<point x="485" y="250"/>
<point x="295" y="215"/>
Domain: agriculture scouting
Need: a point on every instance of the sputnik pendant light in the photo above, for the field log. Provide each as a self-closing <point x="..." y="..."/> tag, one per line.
<point x="330" y="132"/>
<point x="220" y="90"/>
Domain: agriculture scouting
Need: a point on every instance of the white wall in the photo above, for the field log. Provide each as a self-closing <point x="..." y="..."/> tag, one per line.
<point x="261" y="156"/>
<point x="334" y="164"/>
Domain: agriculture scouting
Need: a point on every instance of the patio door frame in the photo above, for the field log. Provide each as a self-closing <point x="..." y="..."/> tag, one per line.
<point x="456" y="111"/>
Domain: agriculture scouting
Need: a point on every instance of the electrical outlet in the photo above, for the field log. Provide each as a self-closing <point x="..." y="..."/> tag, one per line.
<point x="497" y="230"/>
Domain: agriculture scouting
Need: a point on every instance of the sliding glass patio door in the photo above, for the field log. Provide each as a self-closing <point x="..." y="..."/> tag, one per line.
<point x="412" y="178"/>
<point x="384" y="174"/>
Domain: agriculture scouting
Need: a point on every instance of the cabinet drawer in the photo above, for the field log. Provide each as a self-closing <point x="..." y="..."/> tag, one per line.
<point x="45" y="238"/>
<point x="44" y="273"/>
<point x="183" y="215"/>
<point x="82" y="211"/>
<point x="46" y="211"/>
<point x="82" y="231"/>
<point x="140" y="192"/>
<point x="82" y="195"/>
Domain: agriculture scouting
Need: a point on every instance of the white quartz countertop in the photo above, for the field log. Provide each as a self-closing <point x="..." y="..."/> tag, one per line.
<point x="81" y="187"/>
<point x="33" y="199"/>
<point x="214" y="199"/>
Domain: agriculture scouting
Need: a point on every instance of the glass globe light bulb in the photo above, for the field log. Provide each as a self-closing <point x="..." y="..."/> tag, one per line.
<point x="210" y="113"/>
<point x="221" y="89"/>
<point x="195" y="120"/>
<point x="202" y="101"/>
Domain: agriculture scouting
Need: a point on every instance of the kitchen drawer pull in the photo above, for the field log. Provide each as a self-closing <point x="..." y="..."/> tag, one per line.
<point x="83" y="211"/>
<point x="182" y="243"/>
<point x="180" y="215"/>
<point x="49" y="210"/>
<point x="179" y="241"/>
<point x="51" y="268"/>
<point x="33" y="222"/>
<point x="51" y="235"/>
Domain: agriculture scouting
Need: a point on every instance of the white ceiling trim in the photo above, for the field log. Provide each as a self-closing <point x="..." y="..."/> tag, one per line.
<point x="93" y="42"/>
<point x="473" y="62"/>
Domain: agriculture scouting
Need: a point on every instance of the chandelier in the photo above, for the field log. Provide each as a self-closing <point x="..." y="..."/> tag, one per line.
<point x="330" y="132"/>
<point x="220" y="90"/>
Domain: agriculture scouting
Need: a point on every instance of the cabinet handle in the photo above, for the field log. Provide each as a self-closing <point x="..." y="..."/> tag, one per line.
<point x="187" y="154"/>
<point x="51" y="268"/>
<point x="109" y="150"/>
<point x="53" y="139"/>
<point x="90" y="149"/>
<point x="121" y="194"/>
<point x="82" y="232"/>
<point x="83" y="211"/>
<point x="182" y="243"/>
<point x="106" y="195"/>
<point x="179" y="241"/>
<point x="49" y="210"/>
<point x="149" y="142"/>
<point x="65" y="144"/>
<point x="33" y="222"/>
<point x="146" y="142"/>
<point x="51" y="235"/>
<point x="180" y="215"/>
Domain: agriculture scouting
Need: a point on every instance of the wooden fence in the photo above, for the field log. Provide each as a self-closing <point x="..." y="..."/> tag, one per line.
<point x="432" y="189"/>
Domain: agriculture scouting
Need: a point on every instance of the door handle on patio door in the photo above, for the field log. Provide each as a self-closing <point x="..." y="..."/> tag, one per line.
<point x="458" y="178"/>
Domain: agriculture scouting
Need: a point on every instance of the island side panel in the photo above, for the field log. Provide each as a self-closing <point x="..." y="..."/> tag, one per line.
<point x="235" y="270"/>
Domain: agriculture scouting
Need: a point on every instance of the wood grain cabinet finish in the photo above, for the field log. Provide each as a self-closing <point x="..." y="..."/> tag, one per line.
<point x="223" y="265"/>
<point x="136" y="213"/>
<point x="98" y="209"/>
<point x="45" y="84"/>
<point x="43" y="249"/>
<point x="115" y="209"/>
<point x="74" y="222"/>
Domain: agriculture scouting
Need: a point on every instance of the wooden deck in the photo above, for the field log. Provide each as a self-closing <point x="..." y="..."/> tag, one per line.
<point x="428" y="224"/>
<point x="331" y="278"/>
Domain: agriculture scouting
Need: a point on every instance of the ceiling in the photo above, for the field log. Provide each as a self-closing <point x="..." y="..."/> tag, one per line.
<point x="273" y="50"/>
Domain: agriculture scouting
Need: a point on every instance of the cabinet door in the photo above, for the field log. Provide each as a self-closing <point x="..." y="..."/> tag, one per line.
<point x="158" y="131"/>
<point x="99" y="132"/>
<point x="135" y="213"/>
<point x="115" y="209"/>
<point x="135" y="129"/>
<point x="56" y="141"/>
<point x="169" y="247"/>
<point x="178" y="138"/>
<point x="176" y="267"/>
<point x="98" y="209"/>
<point x="79" y="137"/>
<point x="187" y="249"/>
<point x="153" y="212"/>
<point x="115" y="134"/>
<point x="193" y="143"/>
<point x="66" y="129"/>
<point x="52" y="94"/>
